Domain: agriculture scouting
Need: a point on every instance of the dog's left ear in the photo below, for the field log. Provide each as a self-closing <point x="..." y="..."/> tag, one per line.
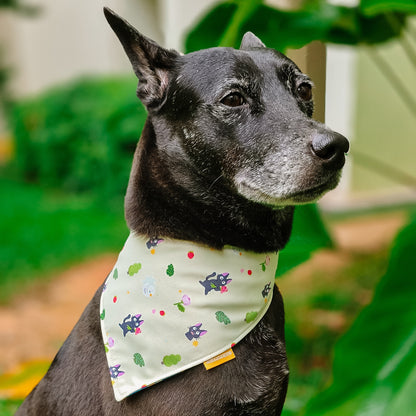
<point x="250" y="40"/>
<point x="151" y="63"/>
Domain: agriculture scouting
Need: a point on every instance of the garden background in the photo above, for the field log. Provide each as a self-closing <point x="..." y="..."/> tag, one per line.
<point x="66" y="153"/>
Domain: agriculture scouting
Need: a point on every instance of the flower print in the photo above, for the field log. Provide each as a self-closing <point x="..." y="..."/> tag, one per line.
<point x="186" y="300"/>
<point x="109" y="344"/>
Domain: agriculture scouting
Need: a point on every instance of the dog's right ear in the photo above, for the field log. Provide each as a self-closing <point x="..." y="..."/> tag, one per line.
<point x="250" y="40"/>
<point x="151" y="63"/>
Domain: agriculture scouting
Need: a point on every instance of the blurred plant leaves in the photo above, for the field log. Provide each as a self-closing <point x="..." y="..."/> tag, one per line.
<point x="79" y="136"/>
<point x="308" y="234"/>
<point x="374" y="370"/>
<point x="20" y="382"/>
<point x="371" y="7"/>
<point x="226" y="23"/>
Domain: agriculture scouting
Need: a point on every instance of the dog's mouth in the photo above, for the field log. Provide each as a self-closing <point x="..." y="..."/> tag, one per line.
<point x="303" y="196"/>
<point x="315" y="192"/>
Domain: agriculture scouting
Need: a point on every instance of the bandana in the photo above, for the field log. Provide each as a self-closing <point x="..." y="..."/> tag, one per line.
<point x="169" y="305"/>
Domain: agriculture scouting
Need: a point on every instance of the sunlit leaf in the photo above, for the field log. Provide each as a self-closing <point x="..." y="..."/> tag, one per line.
<point x="374" y="370"/>
<point x="282" y="29"/>
<point x="308" y="234"/>
<point x="371" y="7"/>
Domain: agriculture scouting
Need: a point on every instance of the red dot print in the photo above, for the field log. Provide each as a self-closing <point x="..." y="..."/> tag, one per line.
<point x="114" y="299"/>
<point x="162" y="313"/>
<point x="249" y="272"/>
<point x="191" y="254"/>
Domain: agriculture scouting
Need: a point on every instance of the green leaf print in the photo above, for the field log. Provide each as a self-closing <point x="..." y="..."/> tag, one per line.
<point x="251" y="316"/>
<point x="169" y="360"/>
<point x="102" y="314"/>
<point x="115" y="274"/>
<point x="222" y="317"/>
<point x="170" y="270"/>
<point x="180" y="306"/>
<point x="138" y="360"/>
<point x="134" y="268"/>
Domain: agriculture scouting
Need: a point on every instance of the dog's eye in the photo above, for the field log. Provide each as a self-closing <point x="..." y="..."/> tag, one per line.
<point x="305" y="91"/>
<point x="234" y="99"/>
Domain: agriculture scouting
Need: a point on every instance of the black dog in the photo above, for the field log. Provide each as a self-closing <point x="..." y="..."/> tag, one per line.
<point x="227" y="150"/>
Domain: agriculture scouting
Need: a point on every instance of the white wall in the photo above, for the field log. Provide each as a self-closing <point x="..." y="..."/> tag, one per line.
<point x="339" y="112"/>
<point x="71" y="38"/>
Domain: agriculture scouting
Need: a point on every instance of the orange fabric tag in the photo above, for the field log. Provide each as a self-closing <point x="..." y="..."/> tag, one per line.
<point x="219" y="359"/>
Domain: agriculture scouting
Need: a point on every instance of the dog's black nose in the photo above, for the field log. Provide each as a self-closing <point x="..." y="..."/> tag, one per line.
<point x="330" y="147"/>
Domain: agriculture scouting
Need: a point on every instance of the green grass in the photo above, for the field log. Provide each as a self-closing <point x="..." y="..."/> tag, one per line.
<point x="8" y="407"/>
<point x="43" y="230"/>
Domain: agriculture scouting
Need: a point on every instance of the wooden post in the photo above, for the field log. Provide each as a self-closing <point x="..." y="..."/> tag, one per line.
<point x="311" y="59"/>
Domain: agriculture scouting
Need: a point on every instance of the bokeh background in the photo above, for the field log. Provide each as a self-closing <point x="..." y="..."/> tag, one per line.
<point x="69" y="124"/>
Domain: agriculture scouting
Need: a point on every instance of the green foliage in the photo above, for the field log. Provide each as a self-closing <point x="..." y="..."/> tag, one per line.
<point x="374" y="370"/>
<point x="46" y="230"/>
<point x="79" y="137"/>
<point x="308" y="234"/>
<point x="226" y="23"/>
<point x="9" y="407"/>
<point x="12" y="4"/>
<point x="372" y="7"/>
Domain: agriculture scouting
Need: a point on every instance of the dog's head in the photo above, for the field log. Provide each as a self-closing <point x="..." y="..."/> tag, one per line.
<point x="240" y="119"/>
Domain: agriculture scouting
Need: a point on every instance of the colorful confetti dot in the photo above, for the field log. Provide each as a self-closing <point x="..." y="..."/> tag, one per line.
<point x="191" y="254"/>
<point x="114" y="299"/>
<point x="162" y="313"/>
<point x="249" y="272"/>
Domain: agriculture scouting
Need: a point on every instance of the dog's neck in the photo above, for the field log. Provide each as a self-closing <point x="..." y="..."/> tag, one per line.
<point x="156" y="205"/>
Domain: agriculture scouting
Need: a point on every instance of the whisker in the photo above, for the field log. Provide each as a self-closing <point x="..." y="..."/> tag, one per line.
<point x="214" y="182"/>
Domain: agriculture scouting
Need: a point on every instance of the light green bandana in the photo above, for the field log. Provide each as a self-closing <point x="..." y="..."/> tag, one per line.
<point x="169" y="305"/>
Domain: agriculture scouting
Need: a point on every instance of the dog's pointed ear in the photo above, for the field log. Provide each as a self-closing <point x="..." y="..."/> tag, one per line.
<point x="151" y="63"/>
<point x="250" y="40"/>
